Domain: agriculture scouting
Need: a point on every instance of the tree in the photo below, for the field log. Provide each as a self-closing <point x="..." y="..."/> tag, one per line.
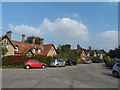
<point x="108" y="59"/>
<point x="65" y="52"/>
<point x="29" y="40"/>
<point x="114" y="53"/>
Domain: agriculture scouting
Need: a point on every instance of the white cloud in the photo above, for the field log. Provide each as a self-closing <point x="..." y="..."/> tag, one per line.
<point x="111" y="35"/>
<point x="107" y="39"/>
<point x="25" y="29"/>
<point x="63" y="29"/>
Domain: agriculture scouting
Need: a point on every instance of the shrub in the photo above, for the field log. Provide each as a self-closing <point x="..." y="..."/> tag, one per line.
<point x="19" y="60"/>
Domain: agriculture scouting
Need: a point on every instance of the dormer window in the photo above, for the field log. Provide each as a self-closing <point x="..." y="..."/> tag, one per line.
<point x="33" y="50"/>
<point x="16" y="48"/>
<point x="39" y="50"/>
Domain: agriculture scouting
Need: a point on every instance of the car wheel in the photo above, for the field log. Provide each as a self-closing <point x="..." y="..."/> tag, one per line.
<point x="115" y="74"/>
<point x="71" y="64"/>
<point x="27" y="67"/>
<point x="43" y="66"/>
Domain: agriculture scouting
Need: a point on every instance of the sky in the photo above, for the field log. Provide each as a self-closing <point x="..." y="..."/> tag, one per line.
<point x="83" y="23"/>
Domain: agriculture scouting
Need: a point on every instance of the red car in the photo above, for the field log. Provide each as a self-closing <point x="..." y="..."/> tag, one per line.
<point x="33" y="63"/>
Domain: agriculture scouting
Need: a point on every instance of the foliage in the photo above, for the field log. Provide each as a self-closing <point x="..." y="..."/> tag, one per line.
<point x="107" y="58"/>
<point x="29" y="40"/>
<point x="19" y="60"/>
<point x="114" y="53"/>
<point x="65" y="52"/>
<point x="94" y="58"/>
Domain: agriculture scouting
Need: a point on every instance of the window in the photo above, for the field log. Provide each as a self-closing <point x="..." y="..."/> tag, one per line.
<point x="39" y="50"/>
<point x="118" y="65"/>
<point x="33" y="50"/>
<point x="31" y="61"/>
<point x="36" y="61"/>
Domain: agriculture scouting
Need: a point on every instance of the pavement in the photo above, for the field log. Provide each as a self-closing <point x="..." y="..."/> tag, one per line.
<point x="80" y="76"/>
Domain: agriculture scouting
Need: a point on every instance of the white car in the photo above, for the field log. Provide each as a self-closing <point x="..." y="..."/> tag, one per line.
<point x="116" y="70"/>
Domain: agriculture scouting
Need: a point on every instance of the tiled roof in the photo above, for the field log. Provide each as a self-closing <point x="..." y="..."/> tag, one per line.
<point x="47" y="48"/>
<point x="23" y="48"/>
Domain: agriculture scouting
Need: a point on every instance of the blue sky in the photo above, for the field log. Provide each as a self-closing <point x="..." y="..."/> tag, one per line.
<point x="84" y="23"/>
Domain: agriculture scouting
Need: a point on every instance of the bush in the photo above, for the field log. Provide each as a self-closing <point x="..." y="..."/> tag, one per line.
<point x="19" y="60"/>
<point x="108" y="59"/>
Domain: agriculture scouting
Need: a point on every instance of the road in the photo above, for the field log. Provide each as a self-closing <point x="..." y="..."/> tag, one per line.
<point x="80" y="76"/>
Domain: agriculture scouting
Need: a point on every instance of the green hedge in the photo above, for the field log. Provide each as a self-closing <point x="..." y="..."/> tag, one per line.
<point x="18" y="61"/>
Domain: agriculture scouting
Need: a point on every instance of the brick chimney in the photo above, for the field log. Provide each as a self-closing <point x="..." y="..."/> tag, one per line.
<point x="78" y="47"/>
<point x="33" y="40"/>
<point x="42" y="41"/>
<point x="9" y="33"/>
<point x="23" y="39"/>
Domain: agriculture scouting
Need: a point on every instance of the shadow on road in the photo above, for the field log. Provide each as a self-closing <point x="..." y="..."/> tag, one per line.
<point x="108" y="74"/>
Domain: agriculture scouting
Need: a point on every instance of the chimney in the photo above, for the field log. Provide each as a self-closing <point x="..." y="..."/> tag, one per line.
<point x="33" y="41"/>
<point x="42" y="41"/>
<point x="78" y="47"/>
<point x="9" y="34"/>
<point x="23" y="39"/>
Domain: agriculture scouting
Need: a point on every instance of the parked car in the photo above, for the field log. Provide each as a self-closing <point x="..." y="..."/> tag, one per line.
<point x="88" y="61"/>
<point x="116" y="70"/>
<point x="57" y="63"/>
<point x="112" y="63"/>
<point x="97" y="61"/>
<point x="71" y="62"/>
<point x="33" y="63"/>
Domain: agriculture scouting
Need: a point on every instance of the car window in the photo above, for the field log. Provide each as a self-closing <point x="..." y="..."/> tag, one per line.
<point x="31" y="61"/>
<point x="36" y="61"/>
<point x="60" y="60"/>
<point x="118" y="65"/>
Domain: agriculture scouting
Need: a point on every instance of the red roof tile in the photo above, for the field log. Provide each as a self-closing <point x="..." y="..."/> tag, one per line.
<point x="47" y="48"/>
<point x="23" y="48"/>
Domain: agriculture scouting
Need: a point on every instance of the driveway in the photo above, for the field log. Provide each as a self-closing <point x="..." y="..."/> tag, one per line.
<point x="80" y="76"/>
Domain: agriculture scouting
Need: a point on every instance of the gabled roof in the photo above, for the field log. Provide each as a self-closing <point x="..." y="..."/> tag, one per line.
<point x="5" y="36"/>
<point x="47" y="48"/>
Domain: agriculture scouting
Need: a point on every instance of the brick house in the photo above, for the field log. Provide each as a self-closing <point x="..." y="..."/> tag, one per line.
<point x="81" y="53"/>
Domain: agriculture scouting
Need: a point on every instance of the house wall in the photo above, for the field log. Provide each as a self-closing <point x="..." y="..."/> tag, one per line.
<point x="10" y="50"/>
<point x="5" y="42"/>
<point x="83" y="56"/>
<point x="52" y="52"/>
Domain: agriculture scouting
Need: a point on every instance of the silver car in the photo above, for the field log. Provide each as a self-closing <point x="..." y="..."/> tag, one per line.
<point x="116" y="70"/>
<point x="57" y="63"/>
<point x="88" y="61"/>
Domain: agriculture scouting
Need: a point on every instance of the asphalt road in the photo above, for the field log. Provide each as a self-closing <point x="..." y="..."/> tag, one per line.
<point x="80" y="76"/>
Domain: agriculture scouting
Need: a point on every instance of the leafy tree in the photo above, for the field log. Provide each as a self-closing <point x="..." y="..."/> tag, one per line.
<point x="108" y="59"/>
<point x="65" y="52"/>
<point x="29" y="40"/>
<point x="114" y="53"/>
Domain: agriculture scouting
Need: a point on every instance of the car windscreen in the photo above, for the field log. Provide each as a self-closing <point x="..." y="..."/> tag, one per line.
<point x="118" y="65"/>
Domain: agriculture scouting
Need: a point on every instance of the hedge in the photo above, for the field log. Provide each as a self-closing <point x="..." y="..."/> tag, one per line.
<point x="19" y="60"/>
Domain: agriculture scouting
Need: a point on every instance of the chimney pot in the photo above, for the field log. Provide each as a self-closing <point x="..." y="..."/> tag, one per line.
<point x="33" y="40"/>
<point x="9" y="34"/>
<point x="23" y="39"/>
<point x="42" y="41"/>
<point x="78" y="47"/>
